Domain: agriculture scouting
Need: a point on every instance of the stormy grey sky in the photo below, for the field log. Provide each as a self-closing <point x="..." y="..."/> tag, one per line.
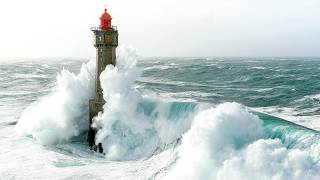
<point x="61" y="28"/>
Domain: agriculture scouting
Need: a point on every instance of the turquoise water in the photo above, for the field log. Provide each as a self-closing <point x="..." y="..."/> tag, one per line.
<point x="254" y="82"/>
<point x="285" y="86"/>
<point x="165" y="110"/>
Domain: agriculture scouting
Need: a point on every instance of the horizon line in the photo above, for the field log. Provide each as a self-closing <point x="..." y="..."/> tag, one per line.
<point x="139" y="57"/>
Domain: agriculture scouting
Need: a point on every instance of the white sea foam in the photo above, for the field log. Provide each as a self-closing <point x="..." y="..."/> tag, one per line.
<point x="316" y="96"/>
<point x="63" y="114"/>
<point x="292" y="114"/>
<point x="132" y="125"/>
<point x="127" y="130"/>
<point x="258" y="67"/>
<point x="226" y="143"/>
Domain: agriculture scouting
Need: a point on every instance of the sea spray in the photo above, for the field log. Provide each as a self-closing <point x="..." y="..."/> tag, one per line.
<point x="285" y="151"/>
<point x="227" y="142"/>
<point x="134" y="125"/>
<point x="63" y="114"/>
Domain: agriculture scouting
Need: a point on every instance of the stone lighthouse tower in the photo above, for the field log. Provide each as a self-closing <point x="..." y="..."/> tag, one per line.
<point x="106" y="42"/>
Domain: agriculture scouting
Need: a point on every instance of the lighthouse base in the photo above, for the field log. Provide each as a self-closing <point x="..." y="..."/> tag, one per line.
<point x="94" y="108"/>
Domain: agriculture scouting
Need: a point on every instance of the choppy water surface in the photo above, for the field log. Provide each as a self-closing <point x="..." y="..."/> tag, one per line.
<point x="285" y="87"/>
<point x="167" y="118"/>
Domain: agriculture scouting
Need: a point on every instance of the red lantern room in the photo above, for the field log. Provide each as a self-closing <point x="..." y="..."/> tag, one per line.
<point x="105" y="21"/>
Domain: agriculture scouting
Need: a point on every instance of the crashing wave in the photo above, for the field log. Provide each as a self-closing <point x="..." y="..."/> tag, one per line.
<point x="225" y="142"/>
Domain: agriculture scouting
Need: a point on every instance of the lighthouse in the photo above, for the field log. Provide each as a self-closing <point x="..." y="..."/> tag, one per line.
<point x="105" y="42"/>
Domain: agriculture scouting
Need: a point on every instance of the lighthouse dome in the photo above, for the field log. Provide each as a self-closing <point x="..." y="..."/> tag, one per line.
<point x="105" y="16"/>
<point x="105" y="21"/>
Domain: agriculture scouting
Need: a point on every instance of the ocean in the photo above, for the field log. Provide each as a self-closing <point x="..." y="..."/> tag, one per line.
<point x="165" y="118"/>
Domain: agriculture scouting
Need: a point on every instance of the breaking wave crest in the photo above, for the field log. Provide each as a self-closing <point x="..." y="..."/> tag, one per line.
<point x="228" y="142"/>
<point x="132" y="125"/>
<point x="63" y="114"/>
<point x="225" y="142"/>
